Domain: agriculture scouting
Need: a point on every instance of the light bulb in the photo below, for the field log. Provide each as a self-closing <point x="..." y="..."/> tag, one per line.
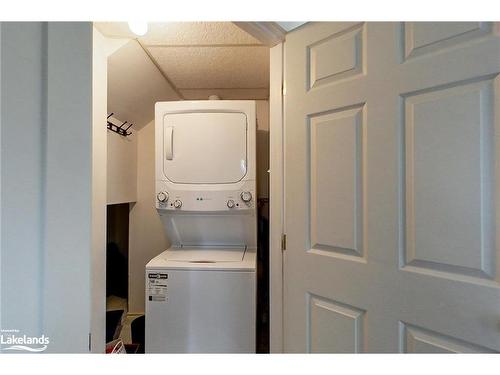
<point x="138" y="28"/>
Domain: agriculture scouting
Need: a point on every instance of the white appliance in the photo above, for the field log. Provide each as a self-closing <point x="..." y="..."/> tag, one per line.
<point x="200" y="293"/>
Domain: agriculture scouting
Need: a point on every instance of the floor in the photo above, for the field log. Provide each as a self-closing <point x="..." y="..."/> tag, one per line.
<point x="117" y="303"/>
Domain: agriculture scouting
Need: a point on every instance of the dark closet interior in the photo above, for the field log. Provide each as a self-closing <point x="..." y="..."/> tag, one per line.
<point x="117" y="234"/>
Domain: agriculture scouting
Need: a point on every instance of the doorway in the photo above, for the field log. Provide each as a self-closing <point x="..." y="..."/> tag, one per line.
<point x="176" y="61"/>
<point x="117" y="255"/>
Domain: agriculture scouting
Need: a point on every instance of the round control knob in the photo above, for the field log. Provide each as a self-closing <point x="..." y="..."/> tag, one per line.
<point x="177" y="203"/>
<point x="162" y="196"/>
<point x="230" y="203"/>
<point x="246" y="196"/>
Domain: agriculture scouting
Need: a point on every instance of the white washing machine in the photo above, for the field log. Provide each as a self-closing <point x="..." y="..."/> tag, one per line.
<point x="200" y="293"/>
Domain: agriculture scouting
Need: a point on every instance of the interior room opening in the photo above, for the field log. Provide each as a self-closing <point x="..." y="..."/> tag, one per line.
<point x="172" y="62"/>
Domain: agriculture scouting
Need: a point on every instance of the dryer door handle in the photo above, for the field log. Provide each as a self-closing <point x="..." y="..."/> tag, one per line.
<point x="169" y="142"/>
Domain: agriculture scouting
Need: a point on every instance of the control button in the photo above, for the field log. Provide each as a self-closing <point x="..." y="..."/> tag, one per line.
<point x="246" y="196"/>
<point x="162" y="196"/>
<point x="230" y="203"/>
<point x="177" y="203"/>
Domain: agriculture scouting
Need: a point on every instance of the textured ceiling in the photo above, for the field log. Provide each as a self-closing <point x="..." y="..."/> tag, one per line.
<point x="135" y="85"/>
<point x="205" y="33"/>
<point x="217" y="67"/>
<point x="204" y="58"/>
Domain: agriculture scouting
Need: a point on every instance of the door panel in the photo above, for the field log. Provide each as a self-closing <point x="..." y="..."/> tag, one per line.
<point x="336" y="57"/>
<point x="334" y="327"/>
<point x="449" y="159"/>
<point x="418" y="340"/>
<point x="392" y="188"/>
<point x="426" y="37"/>
<point x="335" y="182"/>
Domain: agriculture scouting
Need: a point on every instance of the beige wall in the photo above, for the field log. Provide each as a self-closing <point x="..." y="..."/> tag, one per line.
<point x="122" y="168"/>
<point x="147" y="236"/>
<point x="262" y="148"/>
<point x="106" y="171"/>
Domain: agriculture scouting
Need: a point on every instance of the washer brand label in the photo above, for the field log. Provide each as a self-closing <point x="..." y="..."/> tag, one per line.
<point x="158" y="276"/>
<point x="157" y="287"/>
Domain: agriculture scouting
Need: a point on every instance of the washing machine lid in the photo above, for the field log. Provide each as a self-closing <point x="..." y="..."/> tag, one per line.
<point x="205" y="257"/>
<point x="206" y="147"/>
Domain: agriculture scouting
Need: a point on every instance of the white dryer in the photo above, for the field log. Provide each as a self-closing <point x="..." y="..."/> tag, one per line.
<point x="200" y="293"/>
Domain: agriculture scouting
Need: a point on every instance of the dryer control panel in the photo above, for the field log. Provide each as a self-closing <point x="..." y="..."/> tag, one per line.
<point x="205" y="201"/>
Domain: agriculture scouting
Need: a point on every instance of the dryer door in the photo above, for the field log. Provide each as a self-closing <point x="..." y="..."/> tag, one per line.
<point x="205" y="147"/>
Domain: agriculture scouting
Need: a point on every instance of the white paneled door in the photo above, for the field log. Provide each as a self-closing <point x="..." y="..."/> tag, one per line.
<point x="392" y="188"/>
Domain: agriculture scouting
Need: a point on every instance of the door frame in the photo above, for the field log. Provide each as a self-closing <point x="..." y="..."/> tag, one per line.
<point x="276" y="193"/>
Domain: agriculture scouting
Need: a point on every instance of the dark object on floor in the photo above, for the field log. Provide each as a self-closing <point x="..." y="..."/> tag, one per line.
<point x="113" y="324"/>
<point x="132" y="348"/>
<point x="116" y="272"/>
<point x="137" y="327"/>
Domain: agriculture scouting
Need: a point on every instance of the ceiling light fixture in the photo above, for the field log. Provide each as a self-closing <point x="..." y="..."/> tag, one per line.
<point x="138" y="28"/>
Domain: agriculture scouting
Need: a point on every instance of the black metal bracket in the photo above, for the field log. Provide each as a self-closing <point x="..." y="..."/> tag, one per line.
<point x="122" y="130"/>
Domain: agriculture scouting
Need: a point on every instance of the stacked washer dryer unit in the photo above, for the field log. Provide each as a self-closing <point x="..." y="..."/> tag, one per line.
<point x="200" y="293"/>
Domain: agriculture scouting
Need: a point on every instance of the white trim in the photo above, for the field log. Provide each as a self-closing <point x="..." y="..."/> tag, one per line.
<point x="276" y="198"/>
<point x="99" y="193"/>
<point x="269" y="33"/>
<point x="289" y="26"/>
